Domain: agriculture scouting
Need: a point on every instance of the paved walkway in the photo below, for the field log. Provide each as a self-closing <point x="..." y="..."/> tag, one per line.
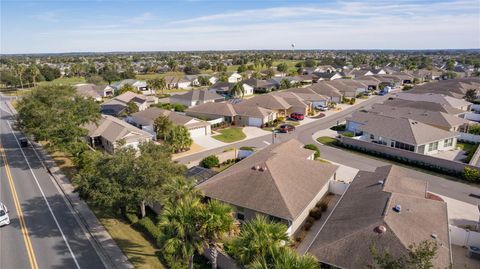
<point x="208" y="142"/>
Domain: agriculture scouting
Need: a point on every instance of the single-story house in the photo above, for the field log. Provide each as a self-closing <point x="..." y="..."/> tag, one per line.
<point x="253" y="115"/>
<point x="97" y="92"/>
<point x="327" y="75"/>
<point x="435" y="98"/>
<point x="213" y="111"/>
<point x="272" y="102"/>
<point x="402" y="133"/>
<point x="310" y="96"/>
<point x="282" y="182"/>
<point x="435" y="118"/>
<point x="453" y="87"/>
<point x="111" y="133"/>
<point x="145" y="120"/>
<point x="139" y="85"/>
<point x="234" y="77"/>
<point x="196" y="97"/>
<point x="430" y="106"/>
<point x="327" y="90"/>
<point x="386" y="209"/>
<point x="297" y="103"/>
<point x="221" y="87"/>
<point x="117" y="105"/>
<point x="174" y="82"/>
<point x="259" y="86"/>
<point x="193" y="80"/>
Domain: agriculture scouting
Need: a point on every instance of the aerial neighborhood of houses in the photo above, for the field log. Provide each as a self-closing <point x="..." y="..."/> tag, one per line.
<point x="352" y="161"/>
<point x="419" y="119"/>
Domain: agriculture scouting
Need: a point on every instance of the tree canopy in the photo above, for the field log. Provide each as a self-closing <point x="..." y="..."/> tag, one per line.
<point x="56" y="114"/>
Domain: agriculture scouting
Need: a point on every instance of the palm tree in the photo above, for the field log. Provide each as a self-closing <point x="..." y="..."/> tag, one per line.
<point x="178" y="189"/>
<point x="34" y="72"/>
<point x="256" y="239"/>
<point x="237" y="90"/>
<point x="19" y="71"/>
<point x="157" y="84"/>
<point x="179" y="232"/>
<point x="217" y="222"/>
<point x="285" y="258"/>
<point x="162" y="126"/>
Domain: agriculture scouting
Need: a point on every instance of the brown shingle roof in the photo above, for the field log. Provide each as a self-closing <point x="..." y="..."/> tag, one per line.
<point x="223" y="109"/>
<point x="351" y="229"/>
<point x="148" y="116"/>
<point x="198" y="95"/>
<point x="268" y="101"/>
<point x="113" y="129"/>
<point x="287" y="185"/>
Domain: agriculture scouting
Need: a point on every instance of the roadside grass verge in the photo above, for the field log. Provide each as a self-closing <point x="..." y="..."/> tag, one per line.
<point x="327" y="140"/>
<point x="230" y="135"/>
<point x="141" y="253"/>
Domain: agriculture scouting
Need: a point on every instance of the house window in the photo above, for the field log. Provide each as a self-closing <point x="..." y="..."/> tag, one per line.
<point x="448" y="142"/>
<point x="433" y="146"/>
<point x="392" y="144"/>
<point x="372" y="136"/>
<point x="404" y="146"/>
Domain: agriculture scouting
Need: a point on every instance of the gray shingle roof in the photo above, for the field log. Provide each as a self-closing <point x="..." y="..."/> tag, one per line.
<point x="400" y="129"/>
<point x="198" y="95"/>
<point x="352" y="227"/>
<point x="285" y="187"/>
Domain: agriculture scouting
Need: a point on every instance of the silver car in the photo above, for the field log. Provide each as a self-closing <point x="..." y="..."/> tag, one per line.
<point x="4" y="219"/>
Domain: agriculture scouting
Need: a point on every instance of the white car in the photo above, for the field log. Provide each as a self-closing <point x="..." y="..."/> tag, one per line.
<point x="322" y="107"/>
<point x="4" y="219"/>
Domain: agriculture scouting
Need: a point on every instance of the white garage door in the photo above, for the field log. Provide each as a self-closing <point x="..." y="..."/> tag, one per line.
<point x="254" y="122"/>
<point x="197" y="132"/>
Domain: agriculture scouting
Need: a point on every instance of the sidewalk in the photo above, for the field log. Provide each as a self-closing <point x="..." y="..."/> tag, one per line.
<point x="105" y="246"/>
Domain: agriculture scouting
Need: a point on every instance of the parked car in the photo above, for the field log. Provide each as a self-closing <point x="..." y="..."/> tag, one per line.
<point x="23" y="142"/>
<point x="322" y="107"/>
<point x="4" y="219"/>
<point x="382" y="93"/>
<point x="285" y="128"/>
<point x="297" y="116"/>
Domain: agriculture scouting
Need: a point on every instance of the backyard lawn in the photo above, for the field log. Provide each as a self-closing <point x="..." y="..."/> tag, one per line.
<point x="63" y="81"/>
<point x="230" y="135"/>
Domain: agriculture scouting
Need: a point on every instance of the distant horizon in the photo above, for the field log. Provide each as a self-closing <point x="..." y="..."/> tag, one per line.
<point x="48" y="27"/>
<point x="234" y="50"/>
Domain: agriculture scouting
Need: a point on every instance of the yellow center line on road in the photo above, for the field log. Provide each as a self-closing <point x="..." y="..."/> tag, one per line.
<point x="23" y="226"/>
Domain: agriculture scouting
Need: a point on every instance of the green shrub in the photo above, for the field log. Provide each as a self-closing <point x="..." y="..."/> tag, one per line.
<point x="131" y="217"/>
<point x="322" y="205"/>
<point x="340" y="127"/>
<point x="148" y="227"/>
<point x="471" y="174"/>
<point x="307" y="226"/>
<point x="352" y="101"/>
<point x="316" y="213"/>
<point x="314" y="148"/>
<point x="348" y="134"/>
<point x="407" y="87"/>
<point x="210" y="161"/>
<point x="247" y="148"/>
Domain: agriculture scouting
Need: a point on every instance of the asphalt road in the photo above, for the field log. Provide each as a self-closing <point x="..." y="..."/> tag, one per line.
<point x="303" y="133"/>
<point x="43" y="232"/>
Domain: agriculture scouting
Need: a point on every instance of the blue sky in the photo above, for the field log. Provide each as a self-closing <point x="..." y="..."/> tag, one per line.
<point x="35" y="26"/>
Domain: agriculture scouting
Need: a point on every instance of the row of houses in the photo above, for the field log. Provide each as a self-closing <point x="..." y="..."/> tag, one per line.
<point x="422" y="121"/>
<point x="385" y="208"/>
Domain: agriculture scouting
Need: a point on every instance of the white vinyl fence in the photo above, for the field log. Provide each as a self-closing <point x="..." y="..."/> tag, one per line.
<point x="464" y="238"/>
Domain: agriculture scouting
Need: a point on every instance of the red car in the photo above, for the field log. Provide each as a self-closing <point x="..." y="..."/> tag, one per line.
<point x="285" y="128"/>
<point x="297" y="116"/>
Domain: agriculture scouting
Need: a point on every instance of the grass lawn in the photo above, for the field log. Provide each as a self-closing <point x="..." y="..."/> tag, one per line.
<point x="63" y="81"/>
<point x="230" y="135"/>
<point x="465" y="146"/>
<point x="155" y="75"/>
<point x="327" y="140"/>
<point x="141" y="253"/>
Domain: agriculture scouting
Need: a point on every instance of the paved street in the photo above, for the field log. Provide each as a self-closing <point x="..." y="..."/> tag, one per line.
<point x="456" y="190"/>
<point x="43" y="232"/>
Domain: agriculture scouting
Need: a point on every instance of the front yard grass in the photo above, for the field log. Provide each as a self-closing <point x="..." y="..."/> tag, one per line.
<point x="229" y="135"/>
<point x="327" y="140"/>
